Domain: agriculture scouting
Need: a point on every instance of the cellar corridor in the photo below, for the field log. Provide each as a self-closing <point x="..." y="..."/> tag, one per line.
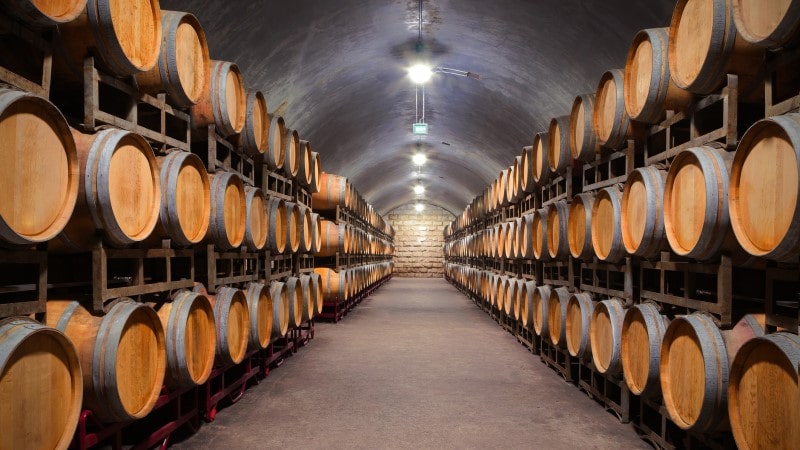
<point x="416" y="365"/>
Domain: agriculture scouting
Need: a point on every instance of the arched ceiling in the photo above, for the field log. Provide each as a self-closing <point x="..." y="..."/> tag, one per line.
<point x="336" y="70"/>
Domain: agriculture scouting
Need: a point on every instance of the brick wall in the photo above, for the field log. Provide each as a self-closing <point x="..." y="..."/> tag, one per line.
<point x="418" y="240"/>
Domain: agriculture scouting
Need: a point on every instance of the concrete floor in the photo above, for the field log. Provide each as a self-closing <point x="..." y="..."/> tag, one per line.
<point x="416" y="365"/>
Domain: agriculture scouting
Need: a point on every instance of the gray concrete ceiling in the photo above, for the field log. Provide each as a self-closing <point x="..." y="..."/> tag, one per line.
<point x="336" y="70"/>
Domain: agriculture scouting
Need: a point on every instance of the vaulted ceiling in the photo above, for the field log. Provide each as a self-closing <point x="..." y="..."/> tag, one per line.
<point x="337" y="71"/>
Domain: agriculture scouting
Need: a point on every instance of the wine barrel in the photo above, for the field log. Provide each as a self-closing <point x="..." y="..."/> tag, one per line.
<point x="582" y="137"/>
<point x="557" y="316"/>
<point x="183" y="61"/>
<point x="512" y="184"/>
<point x="642" y="333"/>
<point x="539" y="160"/>
<point x="228" y="223"/>
<point x="224" y="100"/>
<point x="306" y="173"/>
<point x="526" y="303"/>
<point x="255" y="231"/>
<point x="316" y="287"/>
<point x="276" y="225"/>
<point x="276" y="152"/>
<point x="261" y="312"/>
<point x="280" y="309"/>
<point x="501" y="232"/>
<point x="185" y="198"/>
<point x="765" y="187"/>
<point x="579" y="231"/>
<point x="333" y="192"/>
<point x="510" y="295"/>
<point x="762" y="393"/>
<point x="40" y="167"/>
<point x="559" y="155"/>
<point x="502" y="188"/>
<point x="121" y="192"/>
<point x="255" y="132"/>
<point x="306" y="229"/>
<point x="557" y="230"/>
<point x="232" y="318"/>
<point x="316" y="173"/>
<point x="502" y="291"/>
<point x="511" y="239"/>
<point x="292" y="227"/>
<point x="39" y="13"/>
<point x="41" y="386"/>
<point x="605" y="335"/>
<point x="125" y="35"/>
<point x="540" y="314"/>
<point x="122" y="356"/>
<point x="190" y="341"/>
<point x="766" y="24"/>
<point x="309" y="296"/>
<point x="696" y="218"/>
<point x="291" y="153"/>
<point x="610" y="119"/>
<point x="526" y="181"/>
<point x="642" y="221"/>
<point x="333" y="238"/>
<point x="519" y="225"/>
<point x="705" y="46"/>
<point x="526" y="237"/>
<point x="539" y="227"/>
<point x="316" y="235"/>
<point x="648" y="86"/>
<point x="578" y="317"/>
<point x="334" y="284"/>
<point x="606" y="225"/>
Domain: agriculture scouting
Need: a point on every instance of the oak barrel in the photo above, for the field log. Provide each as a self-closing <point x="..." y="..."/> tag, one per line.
<point x="582" y="137"/>
<point x="539" y="227"/>
<point x="305" y="175"/>
<point x="696" y="218"/>
<point x="232" y="319"/>
<point x="224" y="100"/>
<point x="607" y="225"/>
<point x="648" y="86"/>
<point x="334" y="284"/>
<point x="185" y="198"/>
<point x="642" y="333"/>
<point x="261" y="312"/>
<point x="256" y="223"/>
<point x="122" y="356"/>
<point x="557" y="230"/>
<point x="306" y="230"/>
<point x="276" y="150"/>
<point x="540" y="304"/>
<point x="125" y="34"/>
<point x="295" y="293"/>
<point x="610" y="119"/>
<point x="316" y="287"/>
<point x="255" y="132"/>
<point x="276" y="225"/>
<point x="40" y="167"/>
<point x="705" y="46"/>
<point x="309" y="297"/>
<point x="183" y="62"/>
<point x="510" y="295"/>
<point x="293" y="220"/>
<point x="765" y="187"/>
<point x="767" y="24"/>
<point x="228" y="223"/>
<point x="643" y="212"/>
<point x="526" y="303"/>
<point x="190" y="339"/>
<point x="41" y="386"/>
<point x="579" y="230"/>
<point x="539" y="158"/>
<point x="291" y="153"/>
<point x="316" y="173"/>
<point x="120" y="193"/>
<point x="605" y="335"/>
<point x="559" y="155"/>
<point x="333" y="192"/>
<point x="526" y="182"/>
<point x="557" y="316"/>
<point x="763" y="393"/>
<point x="579" y="315"/>
<point x="316" y="235"/>
<point x="526" y="237"/>
<point x="44" y="13"/>
<point x="280" y="309"/>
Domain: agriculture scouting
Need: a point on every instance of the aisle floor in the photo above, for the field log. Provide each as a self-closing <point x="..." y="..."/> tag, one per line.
<point x="416" y="365"/>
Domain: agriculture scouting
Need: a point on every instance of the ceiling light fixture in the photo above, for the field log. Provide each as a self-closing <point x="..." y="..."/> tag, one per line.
<point x="419" y="159"/>
<point x="420" y="73"/>
<point x="419" y="189"/>
<point x="419" y="207"/>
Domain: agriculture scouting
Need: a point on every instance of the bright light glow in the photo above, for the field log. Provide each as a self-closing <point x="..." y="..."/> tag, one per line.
<point x="419" y="159"/>
<point x="420" y="73"/>
<point x="419" y="207"/>
<point x="419" y="189"/>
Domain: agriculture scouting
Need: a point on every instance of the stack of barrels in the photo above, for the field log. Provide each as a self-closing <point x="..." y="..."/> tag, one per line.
<point x="355" y="243"/>
<point x="710" y="200"/>
<point x="115" y="188"/>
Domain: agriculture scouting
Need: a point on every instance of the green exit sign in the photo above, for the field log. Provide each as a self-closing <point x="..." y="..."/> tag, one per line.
<point x="420" y="129"/>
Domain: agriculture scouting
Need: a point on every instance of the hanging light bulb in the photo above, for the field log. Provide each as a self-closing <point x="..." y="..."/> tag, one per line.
<point x="420" y="73"/>
<point x="419" y="189"/>
<point x="419" y="159"/>
<point x="419" y="207"/>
